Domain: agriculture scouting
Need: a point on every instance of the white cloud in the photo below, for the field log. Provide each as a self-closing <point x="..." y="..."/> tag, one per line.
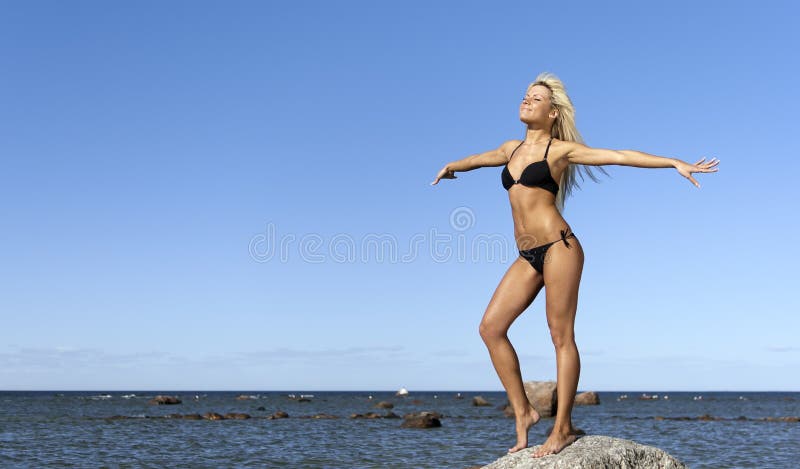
<point x="35" y="359"/>
<point x="777" y="348"/>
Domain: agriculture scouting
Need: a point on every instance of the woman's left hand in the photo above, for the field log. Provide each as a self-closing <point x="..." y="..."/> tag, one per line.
<point x="686" y="169"/>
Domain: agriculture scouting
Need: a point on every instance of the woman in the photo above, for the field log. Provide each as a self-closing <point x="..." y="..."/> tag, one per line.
<point x="550" y="254"/>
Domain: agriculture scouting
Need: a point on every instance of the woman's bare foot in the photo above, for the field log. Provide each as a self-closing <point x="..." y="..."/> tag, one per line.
<point x="555" y="443"/>
<point x="524" y="423"/>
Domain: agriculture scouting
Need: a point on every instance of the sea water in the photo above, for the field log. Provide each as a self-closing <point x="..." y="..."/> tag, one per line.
<point x="73" y="429"/>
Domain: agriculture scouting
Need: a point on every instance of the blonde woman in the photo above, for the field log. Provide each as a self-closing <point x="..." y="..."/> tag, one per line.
<point x="539" y="174"/>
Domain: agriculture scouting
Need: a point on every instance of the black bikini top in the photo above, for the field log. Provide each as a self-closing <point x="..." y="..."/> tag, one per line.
<point x="537" y="174"/>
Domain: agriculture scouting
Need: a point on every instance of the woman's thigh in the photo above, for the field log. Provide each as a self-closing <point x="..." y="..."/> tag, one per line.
<point x="563" y="268"/>
<point x="516" y="291"/>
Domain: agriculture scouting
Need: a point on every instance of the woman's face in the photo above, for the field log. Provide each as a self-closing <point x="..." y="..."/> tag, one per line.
<point x="535" y="106"/>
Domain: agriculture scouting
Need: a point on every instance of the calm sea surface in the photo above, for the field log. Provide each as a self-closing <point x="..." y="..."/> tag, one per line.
<point x="72" y="429"/>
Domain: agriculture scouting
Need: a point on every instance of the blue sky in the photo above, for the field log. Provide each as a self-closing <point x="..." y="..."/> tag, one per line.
<point x="153" y="153"/>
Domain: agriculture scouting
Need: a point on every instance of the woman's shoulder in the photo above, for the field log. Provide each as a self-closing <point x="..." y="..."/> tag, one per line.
<point x="512" y="143"/>
<point x="563" y="145"/>
<point x="559" y="149"/>
<point x="508" y="147"/>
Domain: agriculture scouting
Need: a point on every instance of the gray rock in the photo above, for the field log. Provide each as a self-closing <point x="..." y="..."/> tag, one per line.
<point x="543" y="396"/>
<point x="161" y="400"/>
<point x="587" y="398"/>
<point x="421" y="420"/>
<point x="593" y="452"/>
<point x="480" y="401"/>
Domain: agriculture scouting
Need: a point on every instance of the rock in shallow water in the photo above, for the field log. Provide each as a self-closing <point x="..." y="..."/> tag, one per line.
<point x="587" y="398"/>
<point x="542" y="395"/>
<point x="593" y="452"/>
<point x="161" y="400"/>
<point x="480" y="401"/>
<point x="421" y="420"/>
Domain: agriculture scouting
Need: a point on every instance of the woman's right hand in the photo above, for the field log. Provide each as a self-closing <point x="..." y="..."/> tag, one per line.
<point x="444" y="173"/>
<point x="685" y="169"/>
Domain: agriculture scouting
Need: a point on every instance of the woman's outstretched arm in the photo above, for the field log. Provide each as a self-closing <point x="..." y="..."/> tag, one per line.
<point x="497" y="157"/>
<point x="578" y="153"/>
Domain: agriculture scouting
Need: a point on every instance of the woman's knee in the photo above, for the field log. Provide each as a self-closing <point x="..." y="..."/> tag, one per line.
<point x="562" y="336"/>
<point x="490" y="331"/>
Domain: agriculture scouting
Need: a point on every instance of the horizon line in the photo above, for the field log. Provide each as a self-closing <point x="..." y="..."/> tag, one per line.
<point x="369" y="390"/>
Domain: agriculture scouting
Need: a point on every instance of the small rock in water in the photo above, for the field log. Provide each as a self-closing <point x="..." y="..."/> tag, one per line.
<point x="480" y="401"/>
<point x="508" y="411"/>
<point x="421" y="420"/>
<point x="587" y="398"/>
<point x="162" y="400"/>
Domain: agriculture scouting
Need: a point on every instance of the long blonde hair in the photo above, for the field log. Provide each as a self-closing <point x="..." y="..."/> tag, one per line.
<point x="564" y="129"/>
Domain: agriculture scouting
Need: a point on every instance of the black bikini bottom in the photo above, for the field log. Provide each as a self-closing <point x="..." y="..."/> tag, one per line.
<point x="536" y="255"/>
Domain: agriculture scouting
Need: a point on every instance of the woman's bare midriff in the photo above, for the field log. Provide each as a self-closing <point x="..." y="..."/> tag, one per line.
<point x="537" y="221"/>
